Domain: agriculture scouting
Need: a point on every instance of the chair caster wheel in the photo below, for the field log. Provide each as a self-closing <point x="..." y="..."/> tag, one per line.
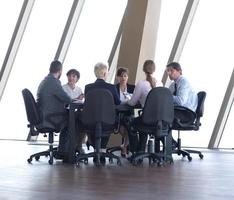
<point x="50" y="162"/>
<point x="86" y="161"/>
<point x="119" y="162"/>
<point x="29" y="160"/>
<point x="37" y="158"/>
<point x="201" y="156"/>
<point x="190" y="158"/>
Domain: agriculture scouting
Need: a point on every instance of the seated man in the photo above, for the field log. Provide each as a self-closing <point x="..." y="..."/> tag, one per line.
<point x="100" y="71"/>
<point x="183" y="93"/>
<point x="51" y="99"/>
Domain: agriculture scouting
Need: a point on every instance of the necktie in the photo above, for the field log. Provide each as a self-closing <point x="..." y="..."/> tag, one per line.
<point x="175" y="89"/>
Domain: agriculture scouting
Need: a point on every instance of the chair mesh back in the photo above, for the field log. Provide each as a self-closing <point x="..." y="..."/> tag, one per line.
<point x="158" y="106"/>
<point x="31" y="107"/>
<point x="98" y="107"/>
<point x="200" y="106"/>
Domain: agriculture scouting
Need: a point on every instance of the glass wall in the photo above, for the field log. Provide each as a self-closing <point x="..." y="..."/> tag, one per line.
<point x="168" y="27"/>
<point x="94" y="37"/>
<point x="206" y="57"/>
<point x="227" y="140"/>
<point x="37" y="50"/>
<point x="207" y="62"/>
<point x="9" y="12"/>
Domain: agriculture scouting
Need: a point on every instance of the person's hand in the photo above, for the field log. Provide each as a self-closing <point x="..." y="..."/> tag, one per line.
<point x="81" y="97"/>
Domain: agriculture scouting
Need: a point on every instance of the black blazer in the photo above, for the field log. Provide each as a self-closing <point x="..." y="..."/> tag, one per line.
<point x="130" y="88"/>
<point x="100" y="83"/>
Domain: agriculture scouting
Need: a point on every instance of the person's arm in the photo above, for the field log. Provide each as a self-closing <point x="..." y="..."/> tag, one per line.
<point x="136" y="95"/>
<point x="116" y="95"/>
<point x="59" y="92"/>
<point x="182" y="94"/>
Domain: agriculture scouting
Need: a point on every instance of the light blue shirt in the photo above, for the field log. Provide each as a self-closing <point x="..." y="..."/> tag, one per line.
<point x="185" y="95"/>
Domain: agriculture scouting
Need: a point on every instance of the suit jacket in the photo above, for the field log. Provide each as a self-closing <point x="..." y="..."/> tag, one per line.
<point x="130" y="88"/>
<point x="100" y="83"/>
<point x="51" y="99"/>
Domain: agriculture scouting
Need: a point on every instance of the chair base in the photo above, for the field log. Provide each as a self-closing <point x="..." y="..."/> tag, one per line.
<point x="117" y="148"/>
<point x="50" y="152"/>
<point x="154" y="158"/>
<point x="97" y="156"/>
<point x="186" y="152"/>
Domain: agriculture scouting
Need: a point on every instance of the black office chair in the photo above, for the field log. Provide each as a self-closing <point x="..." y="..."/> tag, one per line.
<point x="98" y="117"/>
<point x="192" y="123"/>
<point x="156" y="120"/>
<point x="34" y="122"/>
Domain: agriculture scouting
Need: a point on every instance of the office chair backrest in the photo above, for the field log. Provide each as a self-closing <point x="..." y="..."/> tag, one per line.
<point x="200" y="108"/>
<point x="200" y="105"/>
<point x="98" y="107"/>
<point x="158" y="106"/>
<point x="31" y="107"/>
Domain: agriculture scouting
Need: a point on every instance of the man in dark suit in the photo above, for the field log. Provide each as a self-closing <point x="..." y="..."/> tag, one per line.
<point x="51" y="100"/>
<point x="100" y="70"/>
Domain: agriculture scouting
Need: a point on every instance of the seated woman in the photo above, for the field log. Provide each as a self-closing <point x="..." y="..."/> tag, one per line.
<point x="125" y="91"/>
<point x="74" y="91"/>
<point x="76" y="94"/>
<point x="140" y="93"/>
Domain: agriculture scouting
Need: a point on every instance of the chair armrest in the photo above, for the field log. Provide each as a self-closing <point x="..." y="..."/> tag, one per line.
<point x="50" y="117"/>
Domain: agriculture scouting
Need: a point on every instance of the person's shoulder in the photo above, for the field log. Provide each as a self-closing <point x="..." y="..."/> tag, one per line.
<point x="142" y="82"/>
<point x="183" y="81"/>
<point x="159" y="83"/>
<point x="89" y="84"/>
<point x="65" y="85"/>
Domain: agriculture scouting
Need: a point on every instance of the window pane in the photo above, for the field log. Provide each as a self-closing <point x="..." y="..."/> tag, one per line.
<point x="207" y="61"/>
<point x="94" y="37"/>
<point x="171" y="15"/>
<point x="9" y="12"/>
<point x="37" y="50"/>
<point x="227" y="140"/>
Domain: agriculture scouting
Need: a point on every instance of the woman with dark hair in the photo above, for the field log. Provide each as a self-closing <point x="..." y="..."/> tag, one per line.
<point x="71" y="88"/>
<point x="125" y="91"/>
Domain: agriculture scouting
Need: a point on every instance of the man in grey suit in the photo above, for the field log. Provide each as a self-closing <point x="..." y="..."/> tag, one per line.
<point x="51" y="100"/>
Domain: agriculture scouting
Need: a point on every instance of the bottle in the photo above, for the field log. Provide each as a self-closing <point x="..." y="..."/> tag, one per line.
<point x="151" y="145"/>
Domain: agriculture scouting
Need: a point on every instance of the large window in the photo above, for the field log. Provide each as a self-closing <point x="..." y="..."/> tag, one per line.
<point x="94" y="37"/>
<point x="37" y="50"/>
<point x="9" y="12"/>
<point x="207" y="61"/>
<point x="168" y="27"/>
<point x="206" y="58"/>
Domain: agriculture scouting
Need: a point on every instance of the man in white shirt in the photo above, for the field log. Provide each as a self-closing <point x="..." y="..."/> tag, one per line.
<point x="183" y="94"/>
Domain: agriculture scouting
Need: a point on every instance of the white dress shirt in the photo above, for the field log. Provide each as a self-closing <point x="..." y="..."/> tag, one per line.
<point x="185" y="95"/>
<point x="73" y="93"/>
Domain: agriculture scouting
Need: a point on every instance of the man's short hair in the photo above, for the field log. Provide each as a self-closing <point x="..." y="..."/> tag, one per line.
<point x="175" y="66"/>
<point x="100" y="69"/>
<point x="73" y="71"/>
<point x="55" y="66"/>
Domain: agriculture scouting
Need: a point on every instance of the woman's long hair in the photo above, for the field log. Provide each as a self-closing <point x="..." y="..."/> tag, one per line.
<point x="149" y="68"/>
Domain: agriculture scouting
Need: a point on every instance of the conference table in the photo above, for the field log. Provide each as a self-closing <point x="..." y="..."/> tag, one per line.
<point x="72" y="136"/>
